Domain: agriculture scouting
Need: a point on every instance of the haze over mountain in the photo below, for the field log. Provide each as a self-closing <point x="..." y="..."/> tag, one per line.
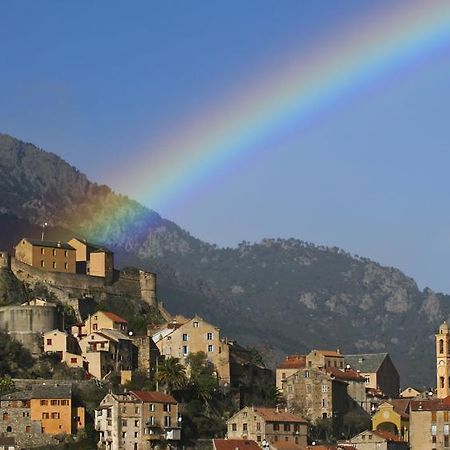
<point x="281" y="295"/>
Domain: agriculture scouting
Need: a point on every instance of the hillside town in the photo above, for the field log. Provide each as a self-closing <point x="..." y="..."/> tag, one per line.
<point x="179" y="382"/>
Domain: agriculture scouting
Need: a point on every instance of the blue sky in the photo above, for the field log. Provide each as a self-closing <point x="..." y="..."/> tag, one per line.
<point x="93" y="81"/>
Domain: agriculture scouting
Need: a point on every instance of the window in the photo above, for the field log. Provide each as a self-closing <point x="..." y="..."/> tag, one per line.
<point x="166" y="407"/>
<point x="433" y="416"/>
<point x="210" y="348"/>
<point x="151" y="407"/>
<point x="151" y="420"/>
<point x="446" y="429"/>
<point x="45" y="415"/>
<point x="53" y="402"/>
<point x="258" y="438"/>
<point x="233" y="427"/>
<point x="209" y="336"/>
<point x="66" y="402"/>
<point x="306" y="373"/>
<point x="324" y="388"/>
<point x="276" y="427"/>
<point x="8" y="429"/>
<point x="136" y="423"/>
<point x="167" y="421"/>
<point x="136" y="409"/>
<point x="441" y="346"/>
<point x="5" y="417"/>
<point x="55" y="415"/>
<point x="44" y="402"/>
<point x="124" y="423"/>
<point x="66" y="253"/>
<point x="283" y="375"/>
<point x="287" y="427"/>
<point x="366" y="379"/>
<point x="286" y="439"/>
<point x="66" y="266"/>
<point x="54" y="252"/>
<point x="124" y="434"/>
<point x="290" y="389"/>
<point x="328" y="363"/>
<point x="49" y="342"/>
<point x="42" y="263"/>
<point x="94" y="327"/>
<point x="185" y="349"/>
<point x="433" y="430"/>
<point x="28" y="429"/>
<point x="185" y="337"/>
<point x="42" y="251"/>
<point x="324" y="403"/>
<point x="244" y="428"/>
<point x="54" y="264"/>
<point x="258" y="426"/>
<point x="195" y="324"/>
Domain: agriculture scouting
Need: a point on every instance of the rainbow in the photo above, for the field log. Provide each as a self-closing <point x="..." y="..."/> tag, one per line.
<point x="235" y="127"/>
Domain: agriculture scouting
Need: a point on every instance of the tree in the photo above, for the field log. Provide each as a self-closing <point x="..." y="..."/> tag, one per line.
<point x="172" y="374"/>
<point x="354" y="423"/>
<point x="6" y="385"/>
<point x="202" y="378"/>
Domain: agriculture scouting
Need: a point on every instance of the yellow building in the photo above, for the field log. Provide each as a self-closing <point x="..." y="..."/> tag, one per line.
<point x="411" y="392"/>
<point x="393" y="417"/>
<point x="443" y="361"/>
<point x="100" y="320"/>
<point x="195" y="335"/>
<point x="93" y="259"/>
<point x="47" y="255"/>
<point x="51" y="405"/>
<point x="66" y="347"/>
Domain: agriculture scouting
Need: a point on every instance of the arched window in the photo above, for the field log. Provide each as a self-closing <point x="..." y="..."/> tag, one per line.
<point x="8" y="429"/>
<point x="441" y="346"/>
<point x="5" y="416"/>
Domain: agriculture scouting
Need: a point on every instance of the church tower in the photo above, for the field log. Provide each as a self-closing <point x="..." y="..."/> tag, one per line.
<point x="443" y="361"/>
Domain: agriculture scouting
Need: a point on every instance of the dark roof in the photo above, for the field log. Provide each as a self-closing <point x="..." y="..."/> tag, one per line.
<point x="154" y="397"/>
<point x="51" y="391"/>
<point x="18" y="395"/>
<point x="233" y="444"/>
<point x="50" y="244"/>
<point x="93" y="247"/>
<point x="366" y="362"/>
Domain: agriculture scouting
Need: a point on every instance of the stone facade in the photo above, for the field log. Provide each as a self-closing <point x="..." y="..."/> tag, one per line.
<point x="26" y="323"/>
<point x="288" y="367"/>
<point x="137" y="420"/>
<point x="316" y="394"/>
<point x="195" y="335"/>
<point x="270" y="424"/>
<point x="443" y="361"/>
<point x="148" y="354"/>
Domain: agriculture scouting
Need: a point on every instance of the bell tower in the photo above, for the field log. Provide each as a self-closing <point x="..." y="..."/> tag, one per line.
<point x="443" y="361"/>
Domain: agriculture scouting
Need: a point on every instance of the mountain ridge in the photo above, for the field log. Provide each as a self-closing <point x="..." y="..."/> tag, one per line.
<point x="285" y="295"/>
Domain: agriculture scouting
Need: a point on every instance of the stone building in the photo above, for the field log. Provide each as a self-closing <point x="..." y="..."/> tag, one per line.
<point x="316" y="394"/>
<point x="429" y="424"/>
<point x="148" y="354"/>
<point x="195" y="335"/>
<point x="290" y="365"/>
<point x="378" y="370"/>
<point x="378" y="440"/>
<point x="26" y="323"/>
<point x="270" y="424"/>
<point x="137" y="420"/>
<point x="47" y="255"/>
<point x="325" y="359"/>
<point x="34" y="416"/>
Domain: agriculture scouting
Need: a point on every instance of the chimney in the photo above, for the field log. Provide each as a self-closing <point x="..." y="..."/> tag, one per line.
<point x="59" y="244"/>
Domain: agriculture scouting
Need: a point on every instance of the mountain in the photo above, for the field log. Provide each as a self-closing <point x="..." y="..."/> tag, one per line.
<point x="282" y="296"/>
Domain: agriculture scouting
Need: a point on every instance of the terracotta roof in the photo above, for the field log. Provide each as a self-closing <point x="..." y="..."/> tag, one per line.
<point x="278" y="415"/>
<point x="347" y="374"/>
<point x="293" y="362"/>
<point x="401" y="406"/>
<point x="113" y="317"/>
<point x="283" y="445"/>
<point x="388" y="436"/>
<point x="329" y="447"/>
<point x="154" y="397"/>
<point x="330" y="353"/>
<point x="233" y="444"/>
<point x="435" y="404"/>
